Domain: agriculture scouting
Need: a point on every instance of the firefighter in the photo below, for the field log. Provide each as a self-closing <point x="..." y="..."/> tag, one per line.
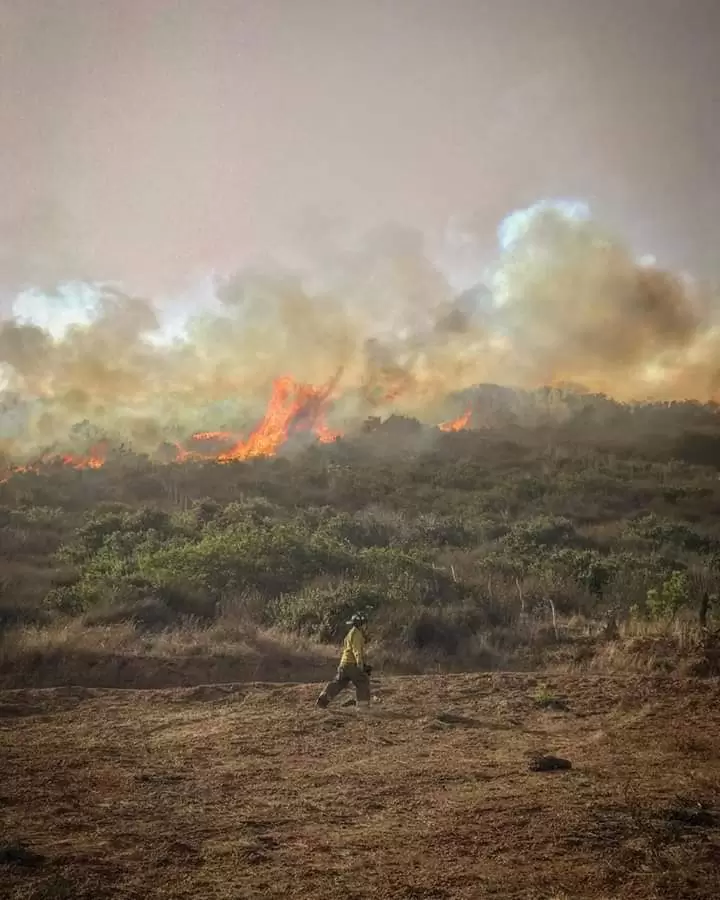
<point x="353" y="668"/>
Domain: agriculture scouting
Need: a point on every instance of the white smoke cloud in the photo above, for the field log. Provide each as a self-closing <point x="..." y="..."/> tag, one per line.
<point x="564" y="301"/>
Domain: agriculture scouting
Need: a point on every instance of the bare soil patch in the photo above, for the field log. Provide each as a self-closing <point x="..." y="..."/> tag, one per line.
<point x="247" y="791"/>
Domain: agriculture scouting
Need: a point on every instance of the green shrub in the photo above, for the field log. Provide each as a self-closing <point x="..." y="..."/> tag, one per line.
<point x="670" y="598"/>
<point x="541" y="532"/>
<point x="73" y="599"/>
<point x="323" y="611"/>
<point x="445" y="538"/>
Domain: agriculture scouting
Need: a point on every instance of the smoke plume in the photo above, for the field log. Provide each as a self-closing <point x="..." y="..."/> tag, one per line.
<point x="564" y="301"/>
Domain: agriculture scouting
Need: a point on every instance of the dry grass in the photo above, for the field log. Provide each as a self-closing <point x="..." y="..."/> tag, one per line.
<point x="123" y="655"/>
<point x="247" y="791"/>
<point x="677" y="646"/>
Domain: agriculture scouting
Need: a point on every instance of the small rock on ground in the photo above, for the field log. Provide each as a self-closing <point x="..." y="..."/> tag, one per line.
<point x="549" y="764"/>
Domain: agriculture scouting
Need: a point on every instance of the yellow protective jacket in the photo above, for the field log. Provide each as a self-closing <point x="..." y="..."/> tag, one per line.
<point x="353" y="649"/>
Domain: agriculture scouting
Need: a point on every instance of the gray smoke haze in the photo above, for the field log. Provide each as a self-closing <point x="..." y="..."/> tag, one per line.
<point x="259" y="149"/>
<point x="145" y="141"/>
<point x="563" y="301"/>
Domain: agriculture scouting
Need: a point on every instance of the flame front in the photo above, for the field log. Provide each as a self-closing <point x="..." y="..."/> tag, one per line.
<point x="93" y="459"/>
<point x="213" y="436"/>
<point x="457" y="424"/>
<point x="293" y="407"/>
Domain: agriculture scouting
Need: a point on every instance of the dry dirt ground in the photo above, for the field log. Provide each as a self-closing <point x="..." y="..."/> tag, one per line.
<point x="248" y="791"/>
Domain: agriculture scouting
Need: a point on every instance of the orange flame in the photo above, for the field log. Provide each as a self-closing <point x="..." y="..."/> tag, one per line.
<point x="214" y="436"/>
<point x="183" y="454"/>
<point x="93" y="459"/>
<point x="457" y="424"/>
<point x="293" y="407"/>
<point x="326" y="435"/>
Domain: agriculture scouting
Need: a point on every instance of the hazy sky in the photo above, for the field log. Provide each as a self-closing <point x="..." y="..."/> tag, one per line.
<point x="145" y="140"/>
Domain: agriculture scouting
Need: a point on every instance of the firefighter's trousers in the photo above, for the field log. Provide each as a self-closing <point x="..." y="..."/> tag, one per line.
<point x="347" y="675"/>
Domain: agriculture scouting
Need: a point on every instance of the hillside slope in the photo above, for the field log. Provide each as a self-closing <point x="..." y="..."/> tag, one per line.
<point x="480" y="550"/>
<point x="245" y="791"/>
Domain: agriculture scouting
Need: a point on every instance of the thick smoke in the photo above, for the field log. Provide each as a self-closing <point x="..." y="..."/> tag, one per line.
<point x="578" y="306"/>
<point x="563" y="302"/>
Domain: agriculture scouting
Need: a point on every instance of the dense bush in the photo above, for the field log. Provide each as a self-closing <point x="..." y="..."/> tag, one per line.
<point x="444" y="541"/>
<point x="672" y="595"/>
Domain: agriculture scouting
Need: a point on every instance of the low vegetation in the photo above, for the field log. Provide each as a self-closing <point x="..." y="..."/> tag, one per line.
<point x="543" y="537"/>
